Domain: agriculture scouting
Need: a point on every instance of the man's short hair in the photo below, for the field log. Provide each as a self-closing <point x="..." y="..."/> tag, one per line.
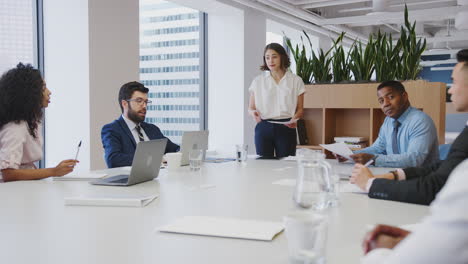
<point x="462" y="56"/>
<point x="395" y="85"/>
<point x="127" y="90"/>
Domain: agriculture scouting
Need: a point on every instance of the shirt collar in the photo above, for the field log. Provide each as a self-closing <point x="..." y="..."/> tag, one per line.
<point x="131" y="125"/>
<point x="267" y="74"/>
<point x="405" y="114"/>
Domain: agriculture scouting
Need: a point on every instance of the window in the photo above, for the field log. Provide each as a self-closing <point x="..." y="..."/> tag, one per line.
<point x="18" y="33"/>
<point x="171" y="66"/>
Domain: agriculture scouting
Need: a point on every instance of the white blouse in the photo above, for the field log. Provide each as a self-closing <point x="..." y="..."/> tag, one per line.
<point x="18" y="149"/>
<point x="276" y="101"/>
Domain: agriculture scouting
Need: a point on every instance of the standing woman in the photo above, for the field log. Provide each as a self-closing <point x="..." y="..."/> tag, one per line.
<point x="23" y="94"/>
<point x="276" y="95"/>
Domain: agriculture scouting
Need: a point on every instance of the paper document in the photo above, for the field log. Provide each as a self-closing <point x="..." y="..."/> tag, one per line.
<point x="224" y="227"/>
<point x="284" y="122"/>
<point x="338" y="148"/>
<point x="80" y="177"/>
<point x="111" y="200"/>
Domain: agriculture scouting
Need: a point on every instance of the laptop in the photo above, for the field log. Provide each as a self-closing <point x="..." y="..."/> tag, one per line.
<point x="145" y="166"/>
<point x="192" y="140"/>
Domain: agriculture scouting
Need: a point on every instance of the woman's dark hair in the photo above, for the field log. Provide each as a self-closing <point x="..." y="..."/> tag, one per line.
<point x="127" y="90"/>
<point x="21" y="96"/>
<point x="285" y="62"/>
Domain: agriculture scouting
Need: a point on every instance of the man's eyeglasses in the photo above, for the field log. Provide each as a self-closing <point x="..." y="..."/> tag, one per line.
<point x="140" y="101"/>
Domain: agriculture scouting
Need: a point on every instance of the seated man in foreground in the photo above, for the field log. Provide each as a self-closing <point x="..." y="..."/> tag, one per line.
<point x="408" y="136"/>
<point x="441" y="238"/>
<point x="120" y="137"/>
<point x="421" y="184"/>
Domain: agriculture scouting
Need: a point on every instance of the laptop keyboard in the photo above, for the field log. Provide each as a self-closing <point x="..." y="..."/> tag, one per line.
<point x="123" y="180"/>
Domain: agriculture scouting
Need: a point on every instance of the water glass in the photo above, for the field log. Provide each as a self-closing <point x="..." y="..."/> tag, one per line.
<point x="196" y="159"/>
<point x="241" y="152"/>
<point x="306" y="234"/>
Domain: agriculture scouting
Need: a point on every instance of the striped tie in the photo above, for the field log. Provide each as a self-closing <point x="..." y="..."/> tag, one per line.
<point x="140" y="135"/>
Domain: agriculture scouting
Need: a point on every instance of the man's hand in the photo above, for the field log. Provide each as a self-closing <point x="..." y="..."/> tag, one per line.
<point x="360" y="175"/>
<point x="362" y="158"/>
<point x="339" y="158"/>
<point x="383" y="236"/>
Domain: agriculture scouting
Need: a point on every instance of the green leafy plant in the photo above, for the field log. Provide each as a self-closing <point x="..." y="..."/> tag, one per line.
<point x="340" y="61"/>
<point x="362" y="63"/>
<point x="303" y="65"/>
<point x="411" y="50"/>
<point x="387" y="58"/>
<point x="321" y="70"/>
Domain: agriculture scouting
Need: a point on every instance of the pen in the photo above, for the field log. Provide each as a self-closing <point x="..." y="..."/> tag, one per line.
<point x="78" y="150"/>
<point x="368" y="163"/>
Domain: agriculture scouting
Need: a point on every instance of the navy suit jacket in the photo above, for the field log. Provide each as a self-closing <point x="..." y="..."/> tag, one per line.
<point x="119" y="143"/>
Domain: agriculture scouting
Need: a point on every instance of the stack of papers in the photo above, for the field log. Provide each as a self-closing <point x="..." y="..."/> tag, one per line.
<point x="111" y="200"/>
<point x="225" y="227"/>
<point x="80" y="177"/>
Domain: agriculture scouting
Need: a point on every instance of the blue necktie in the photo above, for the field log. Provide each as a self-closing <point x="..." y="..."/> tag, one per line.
<point x="395" y="148"/>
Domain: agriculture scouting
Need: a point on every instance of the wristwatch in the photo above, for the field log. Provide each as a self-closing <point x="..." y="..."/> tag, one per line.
<point x="395" y="175"/>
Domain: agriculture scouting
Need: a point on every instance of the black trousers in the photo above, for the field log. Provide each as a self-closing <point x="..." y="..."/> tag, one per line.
<point x="275" y="140"/>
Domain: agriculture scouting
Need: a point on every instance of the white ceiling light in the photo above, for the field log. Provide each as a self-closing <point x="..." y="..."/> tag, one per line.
<point x="461" y="20"/>
<point x="379" y="5"/>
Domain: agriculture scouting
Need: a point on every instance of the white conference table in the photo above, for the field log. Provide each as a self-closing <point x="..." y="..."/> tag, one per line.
<point x="36" y="226"/>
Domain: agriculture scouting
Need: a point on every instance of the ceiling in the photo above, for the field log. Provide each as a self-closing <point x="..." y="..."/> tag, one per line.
<point x="444" y="23"/>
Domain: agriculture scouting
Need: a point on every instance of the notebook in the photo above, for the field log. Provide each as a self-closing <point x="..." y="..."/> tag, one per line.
<point x="111" y="200"/>
<point x="225" y="227"/>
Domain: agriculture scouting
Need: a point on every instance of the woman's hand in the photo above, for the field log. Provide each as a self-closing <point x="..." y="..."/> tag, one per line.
<point x="65" y="167"/>
<point x="256" y="116"/>
<point x="291" y="125"/>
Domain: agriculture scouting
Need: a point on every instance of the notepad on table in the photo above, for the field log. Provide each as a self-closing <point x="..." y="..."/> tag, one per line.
<point x="80" y="177"/>
<point x="111" y="200"/>
<point x="224" y="227"/>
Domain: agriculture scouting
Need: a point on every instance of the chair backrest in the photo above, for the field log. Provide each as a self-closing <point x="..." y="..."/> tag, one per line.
<point x="444" y="150"/>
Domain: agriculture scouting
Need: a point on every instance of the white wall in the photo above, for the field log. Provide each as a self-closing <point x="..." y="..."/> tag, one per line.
<point x="225" y="79"/>
<point x="113" y="60"/>
<point x="67" y="76"/>
<point x="91" y="49"/>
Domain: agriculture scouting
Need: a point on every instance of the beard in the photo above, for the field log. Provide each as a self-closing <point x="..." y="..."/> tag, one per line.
<point x="133" y="115"/>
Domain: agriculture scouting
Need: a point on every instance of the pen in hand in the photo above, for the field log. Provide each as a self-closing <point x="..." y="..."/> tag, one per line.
<point x="368" y="163"/>
<point x="78" y="150"/>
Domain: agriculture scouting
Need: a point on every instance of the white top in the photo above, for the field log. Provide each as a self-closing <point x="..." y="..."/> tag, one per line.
<point x="132" y="126"/>
<point x="18" y="149"/>
<point x="442" y="237"/>
<point x="276" y="101"/>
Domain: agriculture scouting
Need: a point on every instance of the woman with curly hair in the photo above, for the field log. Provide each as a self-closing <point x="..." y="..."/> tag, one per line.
<point x="23" y="94"/>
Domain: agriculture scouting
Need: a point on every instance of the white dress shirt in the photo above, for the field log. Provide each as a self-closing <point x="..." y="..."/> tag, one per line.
<point x="442" y="237"/>
<point x="276" y="100"/>
<point x="132" y="126"/>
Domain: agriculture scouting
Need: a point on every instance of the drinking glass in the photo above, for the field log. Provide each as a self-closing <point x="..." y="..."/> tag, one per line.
<point x="241" y="152"/>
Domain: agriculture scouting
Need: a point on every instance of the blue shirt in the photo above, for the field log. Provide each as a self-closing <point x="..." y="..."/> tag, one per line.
<point x="417" y="141"/>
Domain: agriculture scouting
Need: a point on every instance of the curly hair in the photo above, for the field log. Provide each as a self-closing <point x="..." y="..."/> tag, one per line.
<point x="21" y="95"/>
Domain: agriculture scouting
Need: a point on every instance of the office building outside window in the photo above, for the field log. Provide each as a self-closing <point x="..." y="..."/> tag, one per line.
<point x="170" y="66"/>
<point x="17" y="33"/>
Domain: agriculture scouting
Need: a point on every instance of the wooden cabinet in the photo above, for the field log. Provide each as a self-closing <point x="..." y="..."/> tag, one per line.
<point x="332" y="110"/>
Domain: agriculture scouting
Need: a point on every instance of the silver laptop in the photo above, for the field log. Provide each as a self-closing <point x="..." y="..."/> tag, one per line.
<point x="192" y="140"/>
<point x="145" y="166"/>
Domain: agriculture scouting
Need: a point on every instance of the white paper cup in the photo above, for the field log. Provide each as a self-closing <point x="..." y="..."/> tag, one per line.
<point x="173" y="160"/>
